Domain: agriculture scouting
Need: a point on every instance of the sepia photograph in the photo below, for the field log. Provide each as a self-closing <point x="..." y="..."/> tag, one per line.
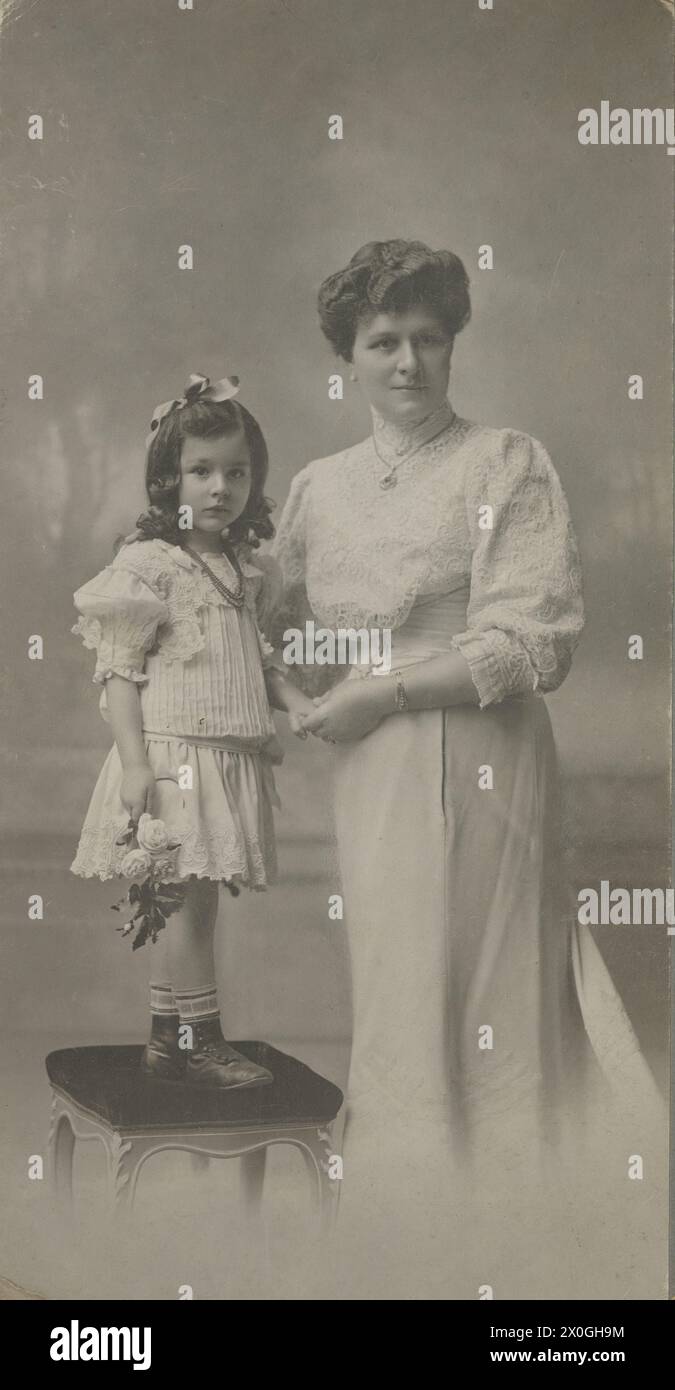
<point x="337" y="595"/>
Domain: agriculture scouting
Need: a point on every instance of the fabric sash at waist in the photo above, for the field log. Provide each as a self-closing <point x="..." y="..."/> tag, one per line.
<point x="225" y="742"/>
<point x="427" y="631"/>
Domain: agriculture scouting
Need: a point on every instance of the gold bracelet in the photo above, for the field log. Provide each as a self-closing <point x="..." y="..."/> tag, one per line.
<point x="401" y="694"/>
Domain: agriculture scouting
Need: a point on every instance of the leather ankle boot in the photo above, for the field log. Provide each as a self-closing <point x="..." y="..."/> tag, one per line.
<point x="212" y="1062"/>
<point x="162" y="1057"/>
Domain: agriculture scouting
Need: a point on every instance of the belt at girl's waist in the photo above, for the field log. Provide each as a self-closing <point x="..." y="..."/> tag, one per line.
<point x="226" y="742"/>
<point x="230" y="744"/>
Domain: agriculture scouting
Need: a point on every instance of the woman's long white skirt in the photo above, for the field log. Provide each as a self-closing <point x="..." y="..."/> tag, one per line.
<point x="496" y="1090"/>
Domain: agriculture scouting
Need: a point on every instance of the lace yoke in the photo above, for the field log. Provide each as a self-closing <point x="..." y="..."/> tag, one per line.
<point x="471" y="506"/>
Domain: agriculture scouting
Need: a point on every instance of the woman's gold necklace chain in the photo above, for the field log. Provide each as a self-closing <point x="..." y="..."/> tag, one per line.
<point x="235" y="596"/>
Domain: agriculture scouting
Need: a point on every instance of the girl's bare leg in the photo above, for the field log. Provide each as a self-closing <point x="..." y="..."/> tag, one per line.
<point x="182" y="955"/>
<point x="188" y="934"/>
<point x="160" y="972"/>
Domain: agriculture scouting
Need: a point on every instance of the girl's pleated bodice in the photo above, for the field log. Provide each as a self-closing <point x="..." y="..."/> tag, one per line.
<point x="156" y="618"/>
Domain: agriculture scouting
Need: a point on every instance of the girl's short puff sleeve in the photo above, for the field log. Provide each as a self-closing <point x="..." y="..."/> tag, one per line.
<point x="526" y="610"/>
<point x="120" y="612"/>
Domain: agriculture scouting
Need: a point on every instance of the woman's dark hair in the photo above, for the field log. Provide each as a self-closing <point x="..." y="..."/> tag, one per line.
<point x="203" y="419"/>
<point x="390" y="277"/>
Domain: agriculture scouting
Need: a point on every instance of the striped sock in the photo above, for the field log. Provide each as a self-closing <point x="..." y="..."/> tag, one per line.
<point x="162" y="1000"/>
<point x="196" y="1004"/>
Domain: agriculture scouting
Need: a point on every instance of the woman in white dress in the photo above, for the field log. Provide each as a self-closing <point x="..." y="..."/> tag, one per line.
<point x="480" y="1015"/>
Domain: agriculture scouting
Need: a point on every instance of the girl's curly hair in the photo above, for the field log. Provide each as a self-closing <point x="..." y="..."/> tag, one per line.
<point x="390" y="277"/>
<point x="203" y="419"/>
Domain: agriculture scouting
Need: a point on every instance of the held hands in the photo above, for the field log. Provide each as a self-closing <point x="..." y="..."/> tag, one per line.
<point x="138" y="784"/>
<point x="349" y="712"/>
<point x="300" y="710"/>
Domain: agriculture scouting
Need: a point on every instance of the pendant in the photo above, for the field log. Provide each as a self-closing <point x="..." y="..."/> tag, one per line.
<point x="387" y="480"/>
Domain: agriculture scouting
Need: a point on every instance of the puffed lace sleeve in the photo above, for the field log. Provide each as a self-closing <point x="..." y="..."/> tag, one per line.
<point x="119" y="616"/>
<point x="267" y="585"/>
<point x="289" y="550"/>
<point x="292" y="609"/>
<point x="525" y="611"/>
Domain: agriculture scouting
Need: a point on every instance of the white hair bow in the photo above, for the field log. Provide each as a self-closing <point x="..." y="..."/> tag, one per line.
<point x="198" y="388"/>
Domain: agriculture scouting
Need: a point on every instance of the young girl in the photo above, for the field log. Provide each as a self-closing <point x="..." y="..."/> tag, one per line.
<point x="188" y="679"/>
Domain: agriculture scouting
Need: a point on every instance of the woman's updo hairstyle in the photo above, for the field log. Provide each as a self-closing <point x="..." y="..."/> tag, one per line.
<point x="391" y="277"/>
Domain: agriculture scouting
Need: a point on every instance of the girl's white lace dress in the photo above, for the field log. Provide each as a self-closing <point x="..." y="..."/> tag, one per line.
<point x="484" y="1019"/>
<point x="154" y="617"/>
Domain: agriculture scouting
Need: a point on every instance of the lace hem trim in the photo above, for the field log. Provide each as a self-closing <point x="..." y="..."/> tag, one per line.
<point x="216" y="857"/>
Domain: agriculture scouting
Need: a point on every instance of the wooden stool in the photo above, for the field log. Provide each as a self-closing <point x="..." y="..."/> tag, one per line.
<point x="100" y="1093"/>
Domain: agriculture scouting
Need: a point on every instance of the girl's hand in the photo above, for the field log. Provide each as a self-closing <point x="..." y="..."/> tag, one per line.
<point x="300" y="710"/>
<point x="346" y="713"/>
<point x="285" y="695"/>
<point x="138" y="784"/>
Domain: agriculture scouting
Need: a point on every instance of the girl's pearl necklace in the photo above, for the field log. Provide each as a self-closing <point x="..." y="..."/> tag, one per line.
<point x="235" y="596"/>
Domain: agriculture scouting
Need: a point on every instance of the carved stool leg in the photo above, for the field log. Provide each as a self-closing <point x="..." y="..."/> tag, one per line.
<point x="328" y="1164"/>
<point x="253" y="1178"/>
<point x="121" y="1172"/>
<point x="320" y="1161"/>
<point x="61" y="1150"/>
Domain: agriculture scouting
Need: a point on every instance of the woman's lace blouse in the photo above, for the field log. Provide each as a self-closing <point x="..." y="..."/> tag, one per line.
<point x="473" y="506"/>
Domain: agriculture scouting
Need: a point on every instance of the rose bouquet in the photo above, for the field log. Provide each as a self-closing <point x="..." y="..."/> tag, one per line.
<point x="150" y="858"/>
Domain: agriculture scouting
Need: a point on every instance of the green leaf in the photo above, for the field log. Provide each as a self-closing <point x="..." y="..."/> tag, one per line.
<point x="168" y="909"/>
<point x="142" y="933"/>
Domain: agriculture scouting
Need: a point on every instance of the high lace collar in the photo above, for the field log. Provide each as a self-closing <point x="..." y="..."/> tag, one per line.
<point x="395" y="441"/>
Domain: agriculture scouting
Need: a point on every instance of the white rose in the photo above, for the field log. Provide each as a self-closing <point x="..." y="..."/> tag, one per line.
<point x="135" y="862"/>
<point x="164" y="864"/>
<point x="152" y="835"/>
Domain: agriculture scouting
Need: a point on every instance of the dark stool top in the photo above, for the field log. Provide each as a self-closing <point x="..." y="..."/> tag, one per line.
<point x="108" y="1083"/>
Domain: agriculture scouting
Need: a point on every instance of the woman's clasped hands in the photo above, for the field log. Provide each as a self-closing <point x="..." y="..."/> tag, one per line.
<point x="344" y="714"/>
